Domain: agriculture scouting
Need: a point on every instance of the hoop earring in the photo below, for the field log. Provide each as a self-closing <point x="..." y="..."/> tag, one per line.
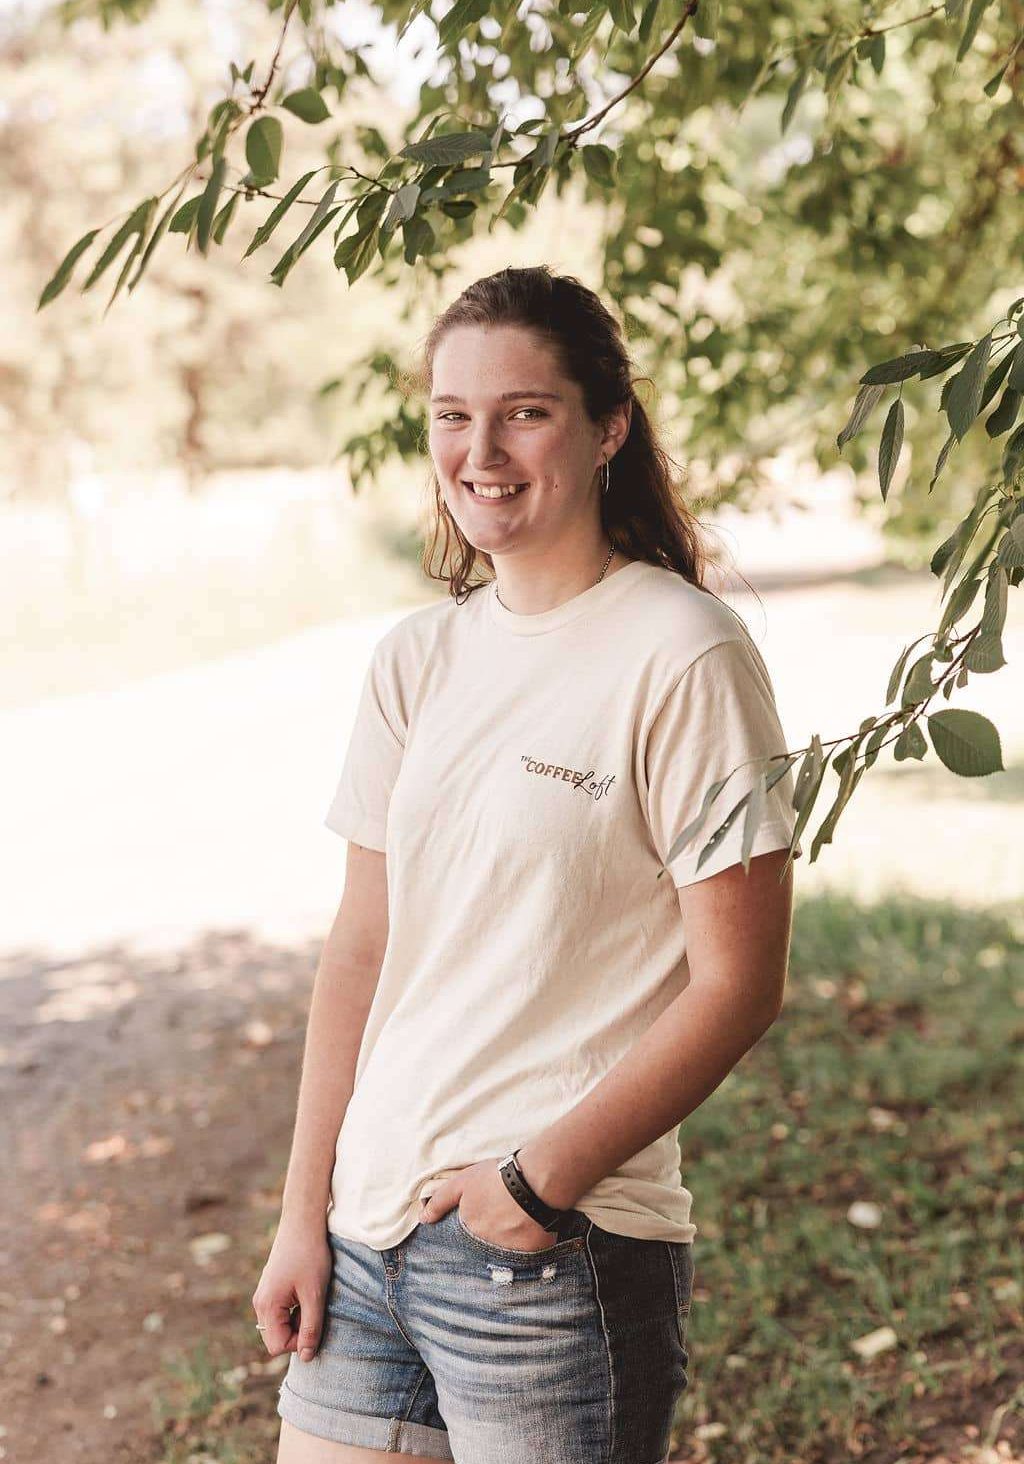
<point x="607" y="476"/>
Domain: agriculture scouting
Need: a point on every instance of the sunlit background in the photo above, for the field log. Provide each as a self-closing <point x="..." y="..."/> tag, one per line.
<point x="190" y="590"/>
<point x="191" y="587"/>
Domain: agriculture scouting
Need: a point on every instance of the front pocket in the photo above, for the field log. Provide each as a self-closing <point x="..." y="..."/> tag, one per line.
<point x="559" y="1246"/>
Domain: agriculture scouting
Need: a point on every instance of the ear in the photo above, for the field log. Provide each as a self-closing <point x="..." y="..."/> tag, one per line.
<point x="617" y="425"/>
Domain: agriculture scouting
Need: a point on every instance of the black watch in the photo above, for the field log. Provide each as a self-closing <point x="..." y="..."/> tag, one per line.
<point x="518" y="1187"/>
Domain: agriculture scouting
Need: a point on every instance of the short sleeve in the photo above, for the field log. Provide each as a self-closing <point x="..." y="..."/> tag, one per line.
<point x="359" y="808"/>
<point x="719" y="714"/>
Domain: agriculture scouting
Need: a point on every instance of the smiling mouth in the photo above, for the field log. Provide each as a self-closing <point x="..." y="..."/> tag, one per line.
<point x="492" y="495"/>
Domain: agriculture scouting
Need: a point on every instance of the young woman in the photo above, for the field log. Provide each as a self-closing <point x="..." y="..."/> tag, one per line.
<point x="513" y="1013"/>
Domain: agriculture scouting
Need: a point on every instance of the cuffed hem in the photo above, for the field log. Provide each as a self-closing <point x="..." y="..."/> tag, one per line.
<point x="390" y="1435"/>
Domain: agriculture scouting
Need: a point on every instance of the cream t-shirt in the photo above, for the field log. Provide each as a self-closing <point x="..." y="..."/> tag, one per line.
<point x="527" y="775"/>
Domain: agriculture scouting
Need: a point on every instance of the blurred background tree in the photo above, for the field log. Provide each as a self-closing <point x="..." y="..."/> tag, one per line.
<point x="785" y="204"/>
<point x="786" y="195"/>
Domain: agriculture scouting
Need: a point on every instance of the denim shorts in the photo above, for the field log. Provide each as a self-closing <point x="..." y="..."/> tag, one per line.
<point x="450" y="1347"/>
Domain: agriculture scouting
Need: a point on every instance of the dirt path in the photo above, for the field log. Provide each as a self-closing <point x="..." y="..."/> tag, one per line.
<point x="155" y="1113"/>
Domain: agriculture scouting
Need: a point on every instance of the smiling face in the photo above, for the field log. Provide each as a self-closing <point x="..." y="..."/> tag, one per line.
<point x="543" y="438"/>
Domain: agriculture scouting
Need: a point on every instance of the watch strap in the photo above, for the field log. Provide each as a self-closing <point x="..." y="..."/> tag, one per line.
<point x="527" y="1198"/>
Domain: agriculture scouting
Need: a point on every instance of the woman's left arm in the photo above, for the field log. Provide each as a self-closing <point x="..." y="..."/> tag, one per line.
<point x="738" y="928"/>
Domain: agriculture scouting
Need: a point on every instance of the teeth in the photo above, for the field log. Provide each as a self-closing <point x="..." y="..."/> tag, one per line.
<point x="496" y="490"/>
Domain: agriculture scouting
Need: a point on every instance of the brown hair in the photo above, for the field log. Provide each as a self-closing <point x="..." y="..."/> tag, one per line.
<point x="643" y="512"/>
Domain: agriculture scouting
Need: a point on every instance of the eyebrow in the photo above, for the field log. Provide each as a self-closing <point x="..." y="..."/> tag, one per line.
<point x="506" y="396"/>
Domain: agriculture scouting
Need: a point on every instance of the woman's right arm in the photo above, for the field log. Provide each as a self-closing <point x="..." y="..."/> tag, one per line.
<point x="343" y="990"/>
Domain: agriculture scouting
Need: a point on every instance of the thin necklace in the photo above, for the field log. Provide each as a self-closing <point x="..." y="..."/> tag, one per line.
<point x="600" y="577"/>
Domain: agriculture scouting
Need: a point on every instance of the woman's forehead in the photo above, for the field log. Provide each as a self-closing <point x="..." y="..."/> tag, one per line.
<point x="493" y="360"/>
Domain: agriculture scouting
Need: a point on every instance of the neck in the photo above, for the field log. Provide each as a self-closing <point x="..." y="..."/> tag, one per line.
<point x="531" y="588"/>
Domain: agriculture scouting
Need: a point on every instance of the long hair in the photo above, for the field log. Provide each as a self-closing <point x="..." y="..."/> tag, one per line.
<point x="643" y="512"/>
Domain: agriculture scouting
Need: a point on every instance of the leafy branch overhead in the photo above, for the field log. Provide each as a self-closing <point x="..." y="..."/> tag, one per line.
<point x="772" y="92"/>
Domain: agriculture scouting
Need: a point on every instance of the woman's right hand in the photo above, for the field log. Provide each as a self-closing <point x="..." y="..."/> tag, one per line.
<point x="298" y="1272"/>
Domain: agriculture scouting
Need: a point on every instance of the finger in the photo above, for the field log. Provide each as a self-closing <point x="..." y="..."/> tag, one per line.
<point x="311" y="1314"/>
<point x="434" y="1206"/>
<point x="277" y="1329"/>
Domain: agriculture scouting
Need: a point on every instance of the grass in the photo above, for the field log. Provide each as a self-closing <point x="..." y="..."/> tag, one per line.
<point x="892" y="1079"/>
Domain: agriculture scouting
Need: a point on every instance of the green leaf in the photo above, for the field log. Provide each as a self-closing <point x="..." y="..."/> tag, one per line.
<point x="752" y="820"/>
<point x="1013" y="455"/>
<point x="1004" y="416"/>
<point x="960" y="602"/>
<point x="132" y="254"/>
<point x="985" y="653"/>
<point x="874" y="744"/>
<point x="647" y="20"/>
<point x="263" y="148"/>
<point x="315" y="221"/>
<point x="697" y="823"/>
<point x="919" y="686"/>
<point x="459" y="18"/>
<point x="810" y="770"/>
<point x="416" y="9"/>
<point x="135" y="250"/>
<point x="897" y="674"/>
<point x="796" y="91"/>
<point x="356" y="251"/>
<point x="599" y="164"/>
<point x="320" y="218"/>
<point x="864" y="403"/>
<point x="944" y="553"/>
<point x="136" y="220"/>
<point x="992" y="85"/>
<point x="994" y="615"/>
<point x="910" y="744"/>
<point x="878" y="53"/>
<point x="1016" y="376"/>
<point x="996" y="377"/>
<point x="889" y="448"/>
<point x="940" y="461"/>
<point x="720" y="833"/>
<point x="223" y="219"/>
<point x="623" y="14"/>
<point x="63" y="272"/>
<point x="898" y="369"/>
<point x="277" y="213"/>
<point x="1011" y="546"/>
<point x="163" y="224"/>
<point x="184" y="219"/>
<point x="208" y="204"/>
<point x="462" y="180"/>
<point x="450" y="148"/>
<point x="966" y="742"/>
<point x="586" y="33"/>
<point x="944" y="359"/>
<point x="965" y="394"/>
<point x="849" y="778"/>
<point x="418" y="238"/>
<point x="807" y="805"/>
<point x="974" y="16"/>
<point x="402" y="206"/>
<point x="705" y="20"/>
<point x="308" y="105"/>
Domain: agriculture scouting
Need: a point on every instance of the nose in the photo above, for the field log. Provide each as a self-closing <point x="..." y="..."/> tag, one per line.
<point x="485" y="451"/>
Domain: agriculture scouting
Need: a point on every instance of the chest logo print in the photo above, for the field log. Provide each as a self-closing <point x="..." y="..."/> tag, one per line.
<point x="587" y="782"/>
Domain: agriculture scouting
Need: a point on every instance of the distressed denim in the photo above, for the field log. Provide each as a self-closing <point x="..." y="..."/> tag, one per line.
<point x="452" y="1348"/>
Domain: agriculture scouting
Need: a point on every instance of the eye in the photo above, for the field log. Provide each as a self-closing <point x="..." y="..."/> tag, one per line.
<point x="444" y="416"/>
